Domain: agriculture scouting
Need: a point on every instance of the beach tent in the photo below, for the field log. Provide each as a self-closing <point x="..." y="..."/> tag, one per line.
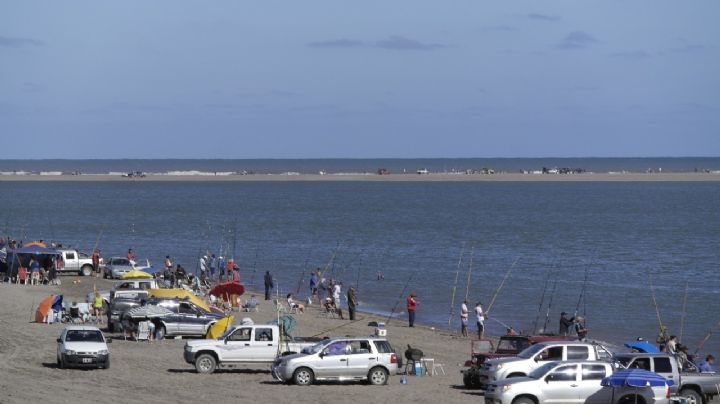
<point x="35" y="250"/>
<point x="219" y="328"/>
<point x="180" y="294"/>
<point x="52" y="302"/>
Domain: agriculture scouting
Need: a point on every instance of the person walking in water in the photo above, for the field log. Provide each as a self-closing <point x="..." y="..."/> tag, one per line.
<point x="464" y="319"/>
<point x="268" y="284"/>
<point x="480" y="318"/>
<point x="352" y="302"/>
<point x="565" y="324"/>
<point x="411" y="306"/>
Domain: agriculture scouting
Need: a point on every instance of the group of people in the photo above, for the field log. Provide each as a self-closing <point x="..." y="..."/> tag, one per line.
<point x="37" y="272"/>
<point x="464" y="317"/>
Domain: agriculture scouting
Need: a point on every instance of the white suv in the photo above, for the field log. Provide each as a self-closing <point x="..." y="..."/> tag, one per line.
<point x="82" y="346"/>
<point x="340" y="359"/>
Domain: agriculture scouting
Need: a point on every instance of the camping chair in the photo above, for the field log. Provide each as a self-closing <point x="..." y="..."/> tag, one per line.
<point x="328" y="310"/>
<point x="293" y="309"/>
<point x="22" y="276"/>
<point x="75" y="315"/>
<point x="143" y="331"/>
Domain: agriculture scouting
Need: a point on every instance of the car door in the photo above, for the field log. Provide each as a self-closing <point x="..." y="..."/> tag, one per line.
<point x="562" y="385"/>
<point x="263" y="345"/>
<point x="188" y="316"/>
<point x="333" y="360"/>
<point x="589" y="389"/>
<point x="236" y="346"/>
<point x="549" y="354"/>
<point x="663" y="367"/>
<point x="360" y="358"/>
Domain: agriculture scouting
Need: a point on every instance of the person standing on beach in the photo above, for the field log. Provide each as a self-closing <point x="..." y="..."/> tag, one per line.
<point x="411" y="306"/>
<point x="565" y="324"/>
<point x="213" y="266"/>
<point x="337" y="291"/>
<point x="96" y="261"/>
<point x="352" y="302"/>
<point x="464" y="313"/>
<point x="314" y="280"/>
<point x="269" y="284"/>
<point x="131" y="256"/>
<point x="480" y="319"/>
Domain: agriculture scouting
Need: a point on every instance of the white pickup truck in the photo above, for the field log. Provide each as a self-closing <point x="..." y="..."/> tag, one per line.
<point x="242" y="344"/>
<point x="537" y="355"/>
<point x="76" y="262"/>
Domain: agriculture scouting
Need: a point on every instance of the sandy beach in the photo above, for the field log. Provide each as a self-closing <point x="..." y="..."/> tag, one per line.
<point x="433" y="177"/>
<point x="155" y="372"/>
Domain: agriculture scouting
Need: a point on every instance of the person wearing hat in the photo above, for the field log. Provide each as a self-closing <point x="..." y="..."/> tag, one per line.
<point x="565" y="324"/>
<point x="411" y="306"/>
<point x="682" y="356"/>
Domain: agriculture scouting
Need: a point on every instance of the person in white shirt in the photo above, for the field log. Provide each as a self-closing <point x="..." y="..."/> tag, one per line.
<point x="480" y="317"/>
<point x="464" y="313"/>
<point x="337" y="290"/>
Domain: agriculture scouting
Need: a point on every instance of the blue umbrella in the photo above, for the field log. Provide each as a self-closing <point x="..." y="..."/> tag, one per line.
<point x="635" y="378"/>
<point x="57" y="303"/>
<point x="642" y="346"/>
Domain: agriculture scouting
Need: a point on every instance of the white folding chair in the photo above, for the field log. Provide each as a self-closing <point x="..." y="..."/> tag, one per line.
<point x="143" y="331"/>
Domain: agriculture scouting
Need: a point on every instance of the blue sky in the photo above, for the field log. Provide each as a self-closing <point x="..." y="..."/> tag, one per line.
<point x="269" y="79"/>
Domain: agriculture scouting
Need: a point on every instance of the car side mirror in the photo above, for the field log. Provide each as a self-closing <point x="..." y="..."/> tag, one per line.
<point x="547" y="379"/>
<point x="59" y="340"/>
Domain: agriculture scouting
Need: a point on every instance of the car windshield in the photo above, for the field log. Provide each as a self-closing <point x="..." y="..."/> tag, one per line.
<point x="542" y="370"/>
<point x="315" y="348"/>
<point x="529" y="352"/>
<point x="512" y="345"/>
<point x="83" y="336"/>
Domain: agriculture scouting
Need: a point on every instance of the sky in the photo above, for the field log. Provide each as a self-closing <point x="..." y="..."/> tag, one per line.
<point x="341" y="79"/>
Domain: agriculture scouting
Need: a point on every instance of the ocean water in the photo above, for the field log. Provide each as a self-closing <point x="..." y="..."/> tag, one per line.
<point x="601" y="165"/>
<point x="545" y="237"/>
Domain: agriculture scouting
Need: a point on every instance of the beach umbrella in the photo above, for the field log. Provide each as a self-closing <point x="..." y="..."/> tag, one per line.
<point x="136" y="274"/>
<point x="642" y="346"/>
<point x="225" y="289"/>
<point x="219" y="328"/>
<point x="635" y="378"/>
<point x="57" y="303"/>
<point x="44" y="308"/>
<point x="148" y="311"/>
<point x="180" y="294"/>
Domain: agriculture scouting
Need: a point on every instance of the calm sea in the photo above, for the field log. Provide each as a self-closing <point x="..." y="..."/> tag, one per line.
<point x="414" y="233"/>
<point x="667" y="164"/>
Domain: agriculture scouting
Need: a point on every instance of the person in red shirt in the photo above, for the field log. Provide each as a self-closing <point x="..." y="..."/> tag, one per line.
<point x="411" y="306"/>
<point x="96" y="261"/>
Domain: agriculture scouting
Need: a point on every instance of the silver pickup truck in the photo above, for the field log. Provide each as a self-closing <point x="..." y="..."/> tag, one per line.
<point x="76" y="262"/>
<point x="696" y="387"/>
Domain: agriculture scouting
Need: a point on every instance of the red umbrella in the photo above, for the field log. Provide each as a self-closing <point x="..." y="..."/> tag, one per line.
<point x="225" y="289"/>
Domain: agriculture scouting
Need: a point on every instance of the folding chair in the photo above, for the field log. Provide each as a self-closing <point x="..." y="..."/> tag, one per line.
<point x="22" y="276"/>
<point x="143" y="331"/>
<point x="279" y="307"/>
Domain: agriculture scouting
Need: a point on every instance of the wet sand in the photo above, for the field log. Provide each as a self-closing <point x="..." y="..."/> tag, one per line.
<point x="439" y="177"/>
<point x="155" y="372"/>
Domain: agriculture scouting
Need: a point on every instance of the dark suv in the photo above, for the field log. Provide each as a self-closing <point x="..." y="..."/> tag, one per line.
<point x="187" y="318"/>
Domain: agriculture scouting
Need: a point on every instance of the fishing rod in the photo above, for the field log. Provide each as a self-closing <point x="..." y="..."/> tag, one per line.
<point x="402" y="294"/>
<point x="682" y="317"/>
<point x="457" y="274"/>
<point x="707" y="337"/>
<point x="657" y="309"/>
<point x="487" y="312"/>
<point x="467" y="287"/>
<point x="357" y="280"/>
<point x="542" y="298"/>
<point x="584" y="286"/>
<point x="550" y="303"/>
<point x="304" y="268"/>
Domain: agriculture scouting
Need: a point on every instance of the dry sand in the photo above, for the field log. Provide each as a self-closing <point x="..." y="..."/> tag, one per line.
<point x="155" y="372"/>
<point x="440" y="177"/>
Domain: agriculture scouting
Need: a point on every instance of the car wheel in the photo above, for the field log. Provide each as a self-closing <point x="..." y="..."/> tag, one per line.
<point x="110" y="325"/>
<point x="524" y="400"/>
<point x="60" y="363"/>
<point x="205" y="363"/>
<point x="378" y="376"/>
<point x="632" y="399"/>
<point x="107" y="364"/>
<point x="470" y="381"/>
<point x="303" y="377"/>
<point x="691" y="396"/>
<point x="86" y="270"/>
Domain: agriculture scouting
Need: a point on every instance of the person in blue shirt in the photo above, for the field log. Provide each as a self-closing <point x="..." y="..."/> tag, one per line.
<point x="314" y="280"/>
<point x="706" y="365"/>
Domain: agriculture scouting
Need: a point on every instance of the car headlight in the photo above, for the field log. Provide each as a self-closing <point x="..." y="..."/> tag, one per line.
<point x="507" y="387"/>
<point x="69" y="352"/>
<point x="103" y="352"/>
<point x="499" y="366"/>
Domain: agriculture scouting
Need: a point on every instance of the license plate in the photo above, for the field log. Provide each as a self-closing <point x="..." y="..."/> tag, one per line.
<point x="87" y="360"/>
